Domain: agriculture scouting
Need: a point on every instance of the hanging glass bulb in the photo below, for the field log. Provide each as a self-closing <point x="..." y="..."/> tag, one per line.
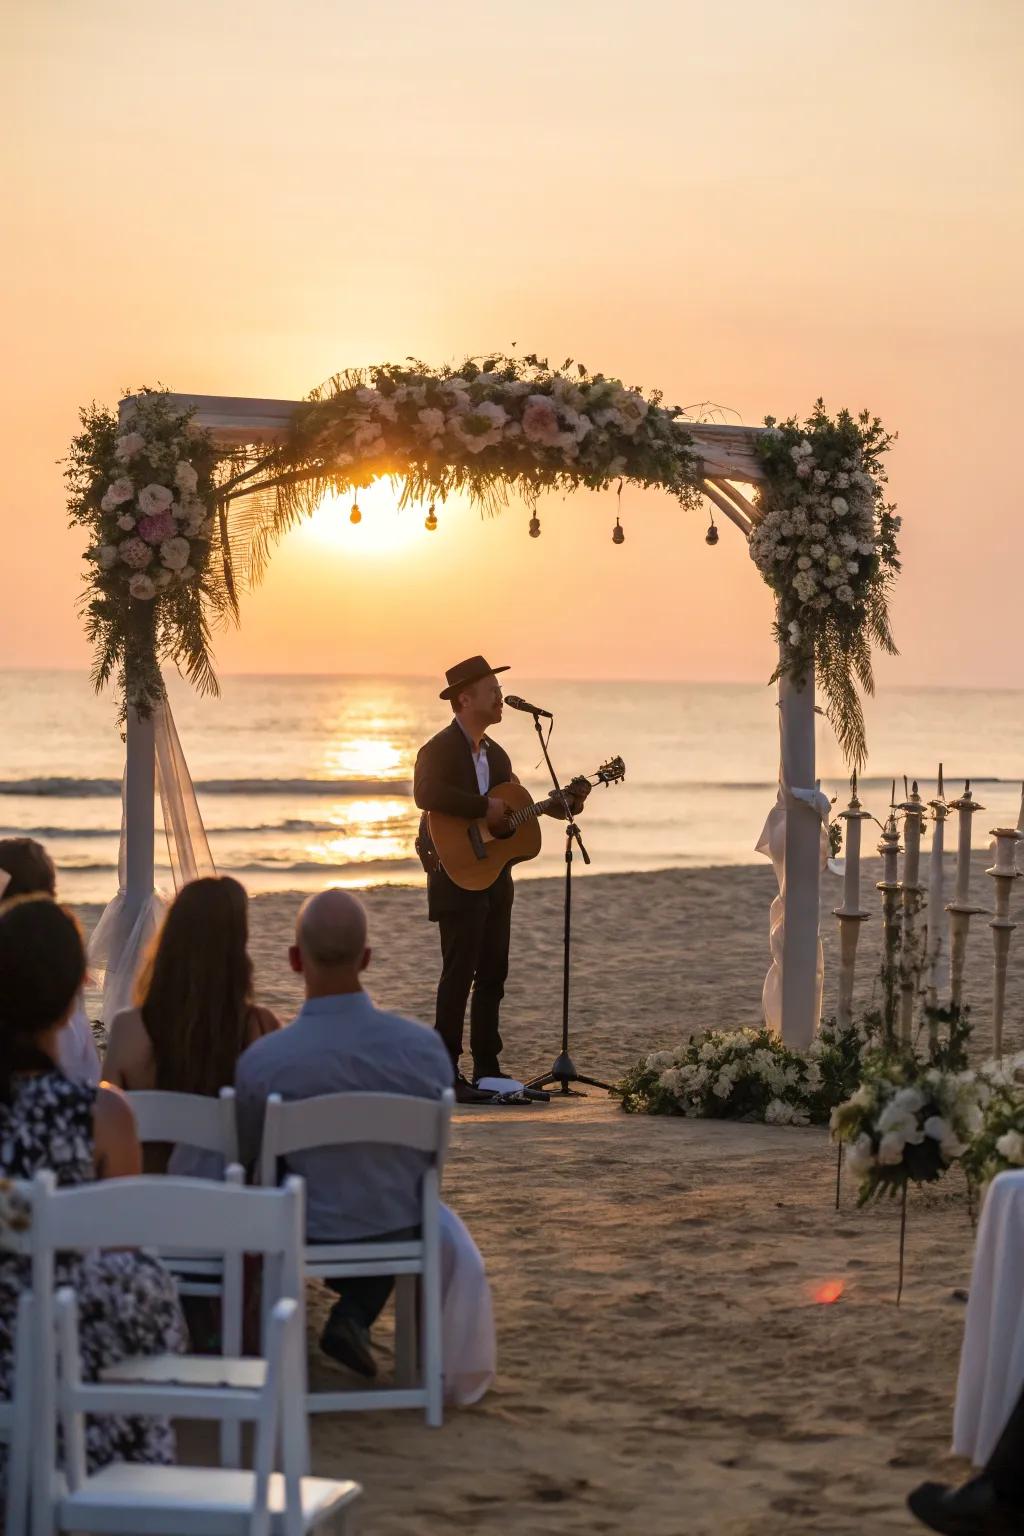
<point x="355" y="516"/>
<point x="618" y="533"/>
<point x="430" y="521"/>
<point x="711" y="537"/>
<point x="535" y="527"/>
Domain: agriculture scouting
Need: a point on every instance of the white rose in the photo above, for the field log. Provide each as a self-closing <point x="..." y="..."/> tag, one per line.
<point x="1011" y="1148"/>
<point x="890" y="1149"/>
<point x="174" y="553"/>
<point x="844" y="593"/>
<point x="909" y="1099"/>
<point x="185" y="478"/>
<point x="153" y="499"/>
<point x="162" y="579"/>
<point x="107" y="556"/>
<point x="840" y="505"/>
<point x="141" y="588"/>
<point x="842" y="480"/>
<point x="804" y="563"/>
<point x="860" y="1156"/>
<point x="117" y="491"/>
<point x="659" y="1059"/>
<point x="186" y="573"/>
<point x="126" y="521"/>
<point x="817" y="550"/>
<point x="431" y="420"/>
<point x="128" y="445"/>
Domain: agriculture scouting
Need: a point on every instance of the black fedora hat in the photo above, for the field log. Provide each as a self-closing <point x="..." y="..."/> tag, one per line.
<point x="466" y="673"/>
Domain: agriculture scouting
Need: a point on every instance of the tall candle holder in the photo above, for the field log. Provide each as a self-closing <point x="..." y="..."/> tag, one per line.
<point x="1004" y="872"/>
<point x="960" y="909"/>
<point x="850" y="914"/>
<point x="889" y="885"/>
<point x="913" y="808"/>
<point x="936" y="902"/>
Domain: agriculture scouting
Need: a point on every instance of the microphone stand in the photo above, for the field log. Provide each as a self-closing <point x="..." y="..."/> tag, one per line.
<point x="563" y="1071"/>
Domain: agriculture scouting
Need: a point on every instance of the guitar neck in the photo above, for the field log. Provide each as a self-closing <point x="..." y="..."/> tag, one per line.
<point x="531" y="812"/>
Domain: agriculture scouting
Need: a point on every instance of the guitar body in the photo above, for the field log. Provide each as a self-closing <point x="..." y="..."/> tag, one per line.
<point x="469" y="852"/>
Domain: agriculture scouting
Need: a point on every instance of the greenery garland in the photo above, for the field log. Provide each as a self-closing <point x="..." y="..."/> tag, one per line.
<point x="167" y="559"/>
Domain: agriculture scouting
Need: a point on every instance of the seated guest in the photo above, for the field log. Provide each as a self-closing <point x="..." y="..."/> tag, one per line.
<point x="195" y="1010"/>
<point x="30" y="872"/>
<point x="990" y="1504"/>
<point x="128" y="1301"/>
<point x="341" y="1043"/>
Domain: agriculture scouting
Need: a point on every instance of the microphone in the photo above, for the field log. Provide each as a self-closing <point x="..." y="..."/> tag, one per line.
<point x="514" y="702"/>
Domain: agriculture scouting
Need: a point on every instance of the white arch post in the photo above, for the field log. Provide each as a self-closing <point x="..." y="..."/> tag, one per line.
<point x="803" y="866"/>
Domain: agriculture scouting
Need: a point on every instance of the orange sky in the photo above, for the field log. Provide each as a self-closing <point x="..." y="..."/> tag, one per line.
<point x="750" y="204"/>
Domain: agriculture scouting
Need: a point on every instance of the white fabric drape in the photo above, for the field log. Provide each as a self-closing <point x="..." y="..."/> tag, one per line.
<point x="468" y="1346"/>
<point x="122" y="935"/>
<point x="772" y="844"/>
<point x="992" y="1357"/>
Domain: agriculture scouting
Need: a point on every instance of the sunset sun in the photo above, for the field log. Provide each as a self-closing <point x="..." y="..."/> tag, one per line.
<point x="379" y="529"/>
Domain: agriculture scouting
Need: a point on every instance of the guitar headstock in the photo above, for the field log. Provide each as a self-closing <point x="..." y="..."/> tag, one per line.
<point x="611" y="772"/>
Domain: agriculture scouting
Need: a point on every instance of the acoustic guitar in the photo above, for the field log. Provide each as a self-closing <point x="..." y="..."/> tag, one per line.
<point x="473" y="856"/>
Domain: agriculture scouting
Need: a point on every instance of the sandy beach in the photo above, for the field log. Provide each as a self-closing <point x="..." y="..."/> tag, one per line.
<point x="662" y="1365"/>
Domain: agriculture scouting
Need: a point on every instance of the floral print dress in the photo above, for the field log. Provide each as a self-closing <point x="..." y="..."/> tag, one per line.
<point x="127" y="1301"/>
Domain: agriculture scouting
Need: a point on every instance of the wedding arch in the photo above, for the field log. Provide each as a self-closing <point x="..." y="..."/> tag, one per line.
<point x="185" y="496"/>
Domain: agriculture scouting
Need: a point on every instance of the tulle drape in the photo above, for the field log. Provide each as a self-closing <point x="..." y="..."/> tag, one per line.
<point x="122" y="935"/>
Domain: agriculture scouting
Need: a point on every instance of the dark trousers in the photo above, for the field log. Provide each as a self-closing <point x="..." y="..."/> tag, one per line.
<point x="474" y="954"/>
<point x="364" y="1297"/>
<point x="1006" y="1464"/>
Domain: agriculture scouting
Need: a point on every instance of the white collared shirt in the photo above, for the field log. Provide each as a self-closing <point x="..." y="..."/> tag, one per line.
<point x="480" y="763"/>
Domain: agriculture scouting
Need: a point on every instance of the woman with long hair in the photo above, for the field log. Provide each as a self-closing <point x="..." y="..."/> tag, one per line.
<point x="26" y="869"/>
<point x="128" y="1303"/>
<point x="195" y="1012"/>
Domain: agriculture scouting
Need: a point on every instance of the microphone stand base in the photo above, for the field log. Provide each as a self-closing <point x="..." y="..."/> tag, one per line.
<point x="563" y="1072"/>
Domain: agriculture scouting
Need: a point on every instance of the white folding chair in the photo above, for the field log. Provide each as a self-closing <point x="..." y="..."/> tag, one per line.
<point x="16" y="1422"/>
<point x="225" y="1219"/>
<point x="135" y="1499"/>
<point x="200" y="1121"/>
<point x="381" y="1119"/>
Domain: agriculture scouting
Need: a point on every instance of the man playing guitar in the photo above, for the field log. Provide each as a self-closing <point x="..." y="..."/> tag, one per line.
<point x="454" y="772"/>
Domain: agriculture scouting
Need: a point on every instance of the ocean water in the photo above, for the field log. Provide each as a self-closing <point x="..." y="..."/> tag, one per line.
<point x="305" y="781"/>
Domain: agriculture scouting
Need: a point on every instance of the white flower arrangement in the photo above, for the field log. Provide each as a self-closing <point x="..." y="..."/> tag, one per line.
<point x="907" y="1123"/>
<point x="826" y="544"/>
<point x="744" y="1074"/>
<point x="998" y="1145"/>
<point x="146" y="492"/>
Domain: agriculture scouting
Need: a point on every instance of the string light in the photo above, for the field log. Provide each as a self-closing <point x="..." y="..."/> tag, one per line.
<point x="430" y="521"/>
<point x="535" y="527"/>
<point x="355" y="516"/>
<point x="618" y="532"/>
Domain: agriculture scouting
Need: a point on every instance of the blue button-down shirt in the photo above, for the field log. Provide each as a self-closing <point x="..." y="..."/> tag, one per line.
<point x="344" y="1044"/>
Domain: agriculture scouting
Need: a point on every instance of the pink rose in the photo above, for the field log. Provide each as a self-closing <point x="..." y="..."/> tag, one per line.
<point x="135" y="553"/>
<point x="540" y="421"/>
<point x="156" y="527"/>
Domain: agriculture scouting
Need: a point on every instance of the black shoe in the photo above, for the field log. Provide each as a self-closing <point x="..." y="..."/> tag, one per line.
<point x="348" y="1342"/>
<point x="973" y="1510"/>
<point x="488" y="1069"/>
<point x="465" y="1093"/>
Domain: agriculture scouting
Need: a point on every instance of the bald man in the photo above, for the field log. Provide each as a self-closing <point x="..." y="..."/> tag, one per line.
<point x="340" y="1043"/>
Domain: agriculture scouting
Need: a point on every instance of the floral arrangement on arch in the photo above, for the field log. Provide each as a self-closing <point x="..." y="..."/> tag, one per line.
<point x="486" y="427"/>
<point x="826" y="545"/>
<point x="144" y="489"/>
<point x="746" y="1074"/>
